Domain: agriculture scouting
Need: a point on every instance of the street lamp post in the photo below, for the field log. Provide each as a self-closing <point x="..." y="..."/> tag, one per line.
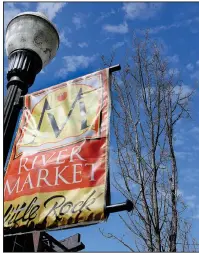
<point x="31" y="43"/>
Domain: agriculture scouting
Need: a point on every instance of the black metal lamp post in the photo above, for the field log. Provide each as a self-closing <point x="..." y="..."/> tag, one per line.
<point x="31" y="43"/>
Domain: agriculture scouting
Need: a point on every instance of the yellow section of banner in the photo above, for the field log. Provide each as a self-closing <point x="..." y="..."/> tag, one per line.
<point x="65" y="113"/>
<point x="49" y="210"/>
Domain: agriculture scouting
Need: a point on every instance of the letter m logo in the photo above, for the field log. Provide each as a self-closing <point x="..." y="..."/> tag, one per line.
<point x="64" y="116"/>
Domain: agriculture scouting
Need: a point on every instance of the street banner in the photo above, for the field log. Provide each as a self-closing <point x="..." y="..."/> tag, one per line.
<point x="57" y="174"/>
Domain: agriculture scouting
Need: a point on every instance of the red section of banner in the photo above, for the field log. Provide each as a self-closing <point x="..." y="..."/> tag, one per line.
<point x="68" y="168"/>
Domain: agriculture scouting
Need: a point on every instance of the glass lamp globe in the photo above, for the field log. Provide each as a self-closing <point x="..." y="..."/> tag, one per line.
<point x="32" y="31"/>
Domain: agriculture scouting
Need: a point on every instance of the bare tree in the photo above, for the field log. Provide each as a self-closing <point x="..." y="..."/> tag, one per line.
<point x="148" y="101"/>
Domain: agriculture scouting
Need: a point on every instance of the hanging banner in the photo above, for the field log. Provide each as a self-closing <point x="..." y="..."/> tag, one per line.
<point x="57" y="174"/>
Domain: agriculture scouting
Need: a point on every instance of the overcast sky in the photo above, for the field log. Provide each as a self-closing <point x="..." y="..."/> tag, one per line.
<point x="89" y="30"/>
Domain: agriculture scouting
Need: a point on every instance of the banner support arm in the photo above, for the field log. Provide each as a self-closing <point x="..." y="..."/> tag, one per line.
<point x="127" y="206"/>
<point x="114" y="68"/>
